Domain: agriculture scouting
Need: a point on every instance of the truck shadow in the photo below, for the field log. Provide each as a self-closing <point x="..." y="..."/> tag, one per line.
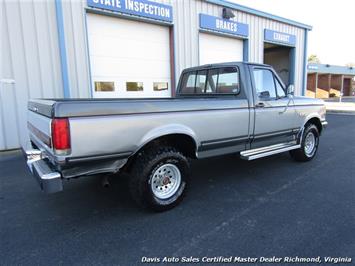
<point x="214" y="182"/>
<point x="227" y="175"/>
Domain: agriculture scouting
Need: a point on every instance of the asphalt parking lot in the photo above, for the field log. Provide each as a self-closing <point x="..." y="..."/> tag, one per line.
<point x="268" y="207"/>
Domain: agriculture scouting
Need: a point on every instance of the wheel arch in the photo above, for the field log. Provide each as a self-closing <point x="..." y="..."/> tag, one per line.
<point x="180" y="137"/>
<point x="315" y="120"/>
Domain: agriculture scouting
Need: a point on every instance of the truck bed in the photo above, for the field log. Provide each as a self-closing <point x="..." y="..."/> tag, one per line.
<point x="103" y="107"/>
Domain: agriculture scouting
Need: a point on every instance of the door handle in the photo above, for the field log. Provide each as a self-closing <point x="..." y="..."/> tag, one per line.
<point x="260" y="105"/>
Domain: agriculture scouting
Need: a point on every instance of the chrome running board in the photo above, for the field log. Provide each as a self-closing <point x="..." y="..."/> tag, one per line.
<point x="269" y="150"/>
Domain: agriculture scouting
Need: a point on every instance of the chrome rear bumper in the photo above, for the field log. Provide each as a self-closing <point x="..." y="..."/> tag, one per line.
<point x="50" y="181"/>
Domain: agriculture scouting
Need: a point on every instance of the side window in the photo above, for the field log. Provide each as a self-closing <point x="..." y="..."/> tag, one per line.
<point x="201" y="81"/>
<point x="264" y="83"/>
<point x="188" y="83"/>
<point x="228" y="80"/>
<point x="279" y="89"/>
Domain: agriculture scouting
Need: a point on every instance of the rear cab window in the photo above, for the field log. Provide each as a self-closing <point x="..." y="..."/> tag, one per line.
<point x="228" y="81"/>
<point x="211" y="82"/>
<point x="201" y="77"/>
<point x="189" y="82"/>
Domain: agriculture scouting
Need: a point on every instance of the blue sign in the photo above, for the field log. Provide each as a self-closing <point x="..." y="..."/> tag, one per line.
<point x="279" y="37"/>
<point x="313" y="67"/>
<point x="223" y="25"/>
<point x="141" y="8"/>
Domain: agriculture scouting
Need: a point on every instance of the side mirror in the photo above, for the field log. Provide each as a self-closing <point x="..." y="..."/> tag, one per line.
<point x="290" y="89"/>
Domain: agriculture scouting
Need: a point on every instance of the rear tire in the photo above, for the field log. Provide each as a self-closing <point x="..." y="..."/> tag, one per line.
<point x="309" y="145"/>
<point x="159" y="178"/>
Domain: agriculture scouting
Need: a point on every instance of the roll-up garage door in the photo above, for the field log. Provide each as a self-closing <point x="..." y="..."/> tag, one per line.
<point x="217" y="49"/>
<point x="128" y="58"/>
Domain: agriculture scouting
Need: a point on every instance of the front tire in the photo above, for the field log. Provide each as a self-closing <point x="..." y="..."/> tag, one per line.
<point x="309" y="145"/>
<point x="159" y="178"/>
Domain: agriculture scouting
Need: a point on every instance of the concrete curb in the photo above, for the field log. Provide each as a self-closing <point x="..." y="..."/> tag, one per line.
<point x="340" y="112"/>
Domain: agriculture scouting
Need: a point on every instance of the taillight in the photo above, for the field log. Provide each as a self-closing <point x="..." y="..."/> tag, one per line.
<point x="61" y="135"/>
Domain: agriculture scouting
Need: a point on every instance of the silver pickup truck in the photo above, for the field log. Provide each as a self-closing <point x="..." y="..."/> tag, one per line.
<point x="240" y="108"/>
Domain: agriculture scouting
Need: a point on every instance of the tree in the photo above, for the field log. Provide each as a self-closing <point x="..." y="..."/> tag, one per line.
<point x="313" y="58"/>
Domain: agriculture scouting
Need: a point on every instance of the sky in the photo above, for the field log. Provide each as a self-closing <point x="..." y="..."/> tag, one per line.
<point x="332" y="38"/>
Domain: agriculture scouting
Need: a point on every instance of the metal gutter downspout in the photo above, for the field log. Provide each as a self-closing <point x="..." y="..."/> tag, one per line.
<point x="246" y="50"/>
<point x="305" y="62"/>
<point x="62" y="48"/>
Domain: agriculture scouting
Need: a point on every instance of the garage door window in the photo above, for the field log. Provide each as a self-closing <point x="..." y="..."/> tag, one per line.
<point x="160" y="86"/>
<point x="103" y="86"/>
<point x="134" y="86"/>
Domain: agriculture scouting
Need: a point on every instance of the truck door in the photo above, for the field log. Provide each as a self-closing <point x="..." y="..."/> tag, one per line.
<point x="275" y="115"/>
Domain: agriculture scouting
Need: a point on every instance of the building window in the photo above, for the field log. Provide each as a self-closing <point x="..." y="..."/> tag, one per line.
<point x="160" y="86"/>
<point x="134" y="86"/>
<point x="104" y="86"/>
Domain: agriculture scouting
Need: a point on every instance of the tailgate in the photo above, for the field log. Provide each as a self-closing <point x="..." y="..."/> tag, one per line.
<point x="39" y="122"/>
<point x="39" y="128"/>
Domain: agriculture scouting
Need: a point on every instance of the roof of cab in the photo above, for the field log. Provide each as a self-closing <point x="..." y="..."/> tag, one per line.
<point x="224" y="64"/>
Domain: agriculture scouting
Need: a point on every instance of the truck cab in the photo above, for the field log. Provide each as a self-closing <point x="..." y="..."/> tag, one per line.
<point x="272" y="115"/>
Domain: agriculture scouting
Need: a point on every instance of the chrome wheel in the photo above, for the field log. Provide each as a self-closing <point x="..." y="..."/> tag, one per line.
<point x="165" y="181"/>
<point x="309" y="143"/>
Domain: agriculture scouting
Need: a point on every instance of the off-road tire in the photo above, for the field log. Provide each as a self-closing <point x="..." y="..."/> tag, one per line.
<point x="141" y="174"/>
<point x="300" y="154"/>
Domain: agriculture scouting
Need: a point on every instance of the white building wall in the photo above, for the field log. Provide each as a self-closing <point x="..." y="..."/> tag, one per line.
<point x="74" y="15"/>
<point x="186" y="32"/>
<point x="30" y="57"/>
<point x="30" y="54"/>
<point x="186" y="35"/>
